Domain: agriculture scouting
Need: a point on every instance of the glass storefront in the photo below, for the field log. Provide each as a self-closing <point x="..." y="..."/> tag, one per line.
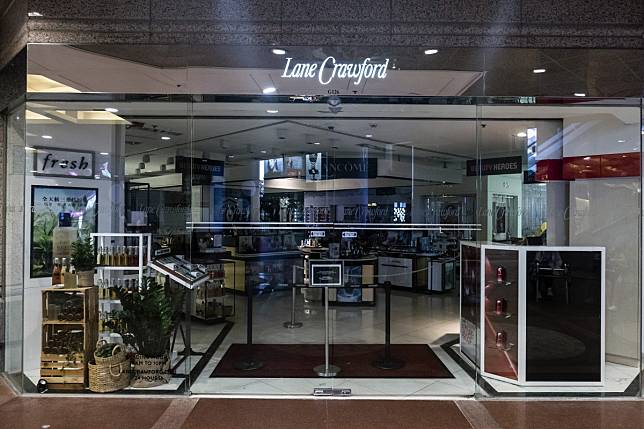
<point x="336" y="244"/>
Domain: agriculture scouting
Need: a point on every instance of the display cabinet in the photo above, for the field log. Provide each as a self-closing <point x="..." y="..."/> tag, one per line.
<point x="69" y="335"/>
<point x="541" y="317"/>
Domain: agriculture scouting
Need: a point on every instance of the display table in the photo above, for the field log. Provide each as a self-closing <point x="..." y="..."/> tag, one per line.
<point x="537" y="313"/>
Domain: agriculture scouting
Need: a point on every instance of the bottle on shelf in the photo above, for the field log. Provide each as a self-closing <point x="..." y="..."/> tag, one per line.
<point x="500" y="274"/>
<point x="56" y="277"/>
<point x="501" y="306"/>
<point x="501" y="339"/>
<point x="135" y="257"/>
<point x="63" y="270"/>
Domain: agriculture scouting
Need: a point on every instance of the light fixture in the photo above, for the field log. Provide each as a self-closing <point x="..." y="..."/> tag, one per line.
<point x="431" y="51"/>
<point x="272" y="111"/>
<point x="165" y="138"/>
<point x="537" y="71"/>
<point x="262" y="151"/>
<point x="104" y="153"/>
<point x="278" y="51"/>
<point x="28" y="148"/>
<point x="316" y="143"/>
<point x="269" y="90"/>
<point x="46" y="137"/>
<point x="231" y="156"/>
<point x="621" y="141"/>
<point x="580" y="94"/>
<point x="368" y="135"/>
<point x="111" y="109"/>
<point x="522" y="134"/>
<point x="586" y="158"/>
<point x="34" y="14"/>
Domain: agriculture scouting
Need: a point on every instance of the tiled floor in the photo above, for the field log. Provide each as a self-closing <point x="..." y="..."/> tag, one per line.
<point x="416" y="318"/>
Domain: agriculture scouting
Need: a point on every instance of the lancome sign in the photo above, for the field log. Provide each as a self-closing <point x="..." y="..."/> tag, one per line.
<point x="330" y="69"/>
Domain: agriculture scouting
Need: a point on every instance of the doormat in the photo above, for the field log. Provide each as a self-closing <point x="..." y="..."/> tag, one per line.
<point x="298" y="361"/>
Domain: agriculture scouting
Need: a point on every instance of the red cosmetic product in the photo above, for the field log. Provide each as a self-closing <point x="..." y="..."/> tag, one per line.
<point x="501" y="339"/>
<point x="501" y="306"/>
<point x="500" y="274"/>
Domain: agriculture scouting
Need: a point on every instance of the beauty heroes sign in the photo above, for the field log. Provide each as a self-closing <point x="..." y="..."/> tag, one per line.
<point x="330" y="69"/>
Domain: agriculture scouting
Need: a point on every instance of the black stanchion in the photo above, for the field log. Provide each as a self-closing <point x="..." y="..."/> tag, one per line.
<point x="387" y="361"/>
<point x="249" y="363"/>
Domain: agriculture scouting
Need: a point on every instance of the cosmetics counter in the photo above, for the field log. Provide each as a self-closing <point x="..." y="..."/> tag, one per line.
<point x="534" y="315"/>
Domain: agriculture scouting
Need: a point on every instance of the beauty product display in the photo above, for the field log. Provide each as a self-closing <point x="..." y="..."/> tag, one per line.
<point x="118" y="256"/>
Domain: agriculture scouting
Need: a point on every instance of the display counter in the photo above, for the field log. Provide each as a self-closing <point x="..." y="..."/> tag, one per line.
<point x="537" y="313"/>
<point x="419" y="272"/>
<point x="269" y="270"/>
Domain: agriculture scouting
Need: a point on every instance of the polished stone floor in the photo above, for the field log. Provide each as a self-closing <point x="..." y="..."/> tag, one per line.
<point x="416" y="318"/>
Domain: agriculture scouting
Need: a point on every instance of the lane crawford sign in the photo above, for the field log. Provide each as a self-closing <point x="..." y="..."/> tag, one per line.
<point x="330" y="69"/>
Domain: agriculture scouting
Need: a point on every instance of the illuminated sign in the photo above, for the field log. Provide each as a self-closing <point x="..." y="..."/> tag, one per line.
<point x="400" y="212"/>
<point x="330" y="69"/>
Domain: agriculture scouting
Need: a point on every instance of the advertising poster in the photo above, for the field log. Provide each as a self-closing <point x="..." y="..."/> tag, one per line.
<point x="78" y="206"/>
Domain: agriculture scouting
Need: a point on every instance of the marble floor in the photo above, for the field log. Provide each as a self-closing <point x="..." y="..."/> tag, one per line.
<point x="415" y="318"/>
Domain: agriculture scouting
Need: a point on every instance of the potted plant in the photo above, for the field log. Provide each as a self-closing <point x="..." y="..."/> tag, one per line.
<point x="84" y="261"/>
<point x="146" y="322"/>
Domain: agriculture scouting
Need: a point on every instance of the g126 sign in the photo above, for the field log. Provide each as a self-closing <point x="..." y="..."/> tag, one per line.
<point x="330" y="69"/>
<point x="67" y="163"/>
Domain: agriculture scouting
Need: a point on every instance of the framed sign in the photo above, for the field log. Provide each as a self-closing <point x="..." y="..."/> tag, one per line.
<point x="63" y="163"/>
<point x="326" y="275"/>
<point x="494" y="166"/>
<point x="77" y="206"/>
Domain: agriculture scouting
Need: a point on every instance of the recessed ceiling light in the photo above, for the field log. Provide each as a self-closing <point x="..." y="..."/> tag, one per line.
<point x="278" y="51"/>
<point x="580" y="94"/>
<point x="33" y="14"/>
<point x="316" y="142"/>
<point x="165" y="138"/>
<point x="269" y="90"/>
<point x="231" y="156"/>
<point x="368" y="135"/>
<point x="522" y="134"/>
<point x="431" y="51"/>
<point x="262" y="151"/>
<point x="537" y="71"/>
<point x="104" y="153"/>
<point x="621" y="141"/>
<point x="272" y="111"/>
<point x="111" y="109"/>
<point x="46" y="137"/>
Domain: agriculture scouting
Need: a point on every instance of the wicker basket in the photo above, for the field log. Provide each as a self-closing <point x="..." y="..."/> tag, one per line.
<point x="109" y="374"/>
<point x="118" y="355"/>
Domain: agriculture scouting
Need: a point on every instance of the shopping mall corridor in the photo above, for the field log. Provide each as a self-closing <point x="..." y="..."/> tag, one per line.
<point x="189" y="413"/>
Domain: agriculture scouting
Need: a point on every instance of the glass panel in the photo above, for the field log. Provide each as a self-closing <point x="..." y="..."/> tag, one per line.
<point x="560" y="192"/>
<point x="101" y="171"/>
<point x="14" y="230"/>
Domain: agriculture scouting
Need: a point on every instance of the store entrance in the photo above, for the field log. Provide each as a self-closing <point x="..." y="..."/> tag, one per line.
<point x="341" y="225"/>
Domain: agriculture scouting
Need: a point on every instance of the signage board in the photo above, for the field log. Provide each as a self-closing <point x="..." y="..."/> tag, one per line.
<point x="349" y="234"/>
<point x="331" y="69"/>
<point x="326" y="275"/>
<point x="494" y="166"/>
<point x="317" y="234"/>
<point x="198" y="171"/>
<point x="65" y="163"/>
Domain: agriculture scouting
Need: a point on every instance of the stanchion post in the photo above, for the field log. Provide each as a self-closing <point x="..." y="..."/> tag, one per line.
<point x="249" y="363"/>
<point x="292" y="323"/>
<point x="326" y="370"/>
<point x="387" y="361"/>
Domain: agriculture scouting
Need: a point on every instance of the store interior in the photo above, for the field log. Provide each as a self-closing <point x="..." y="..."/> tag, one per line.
<point x="439" y="206"/>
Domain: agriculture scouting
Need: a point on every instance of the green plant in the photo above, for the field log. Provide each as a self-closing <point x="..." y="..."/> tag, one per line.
<point x="105" y="350"/>
<point x="83" y="254"/>
<point x="149" y="316"/>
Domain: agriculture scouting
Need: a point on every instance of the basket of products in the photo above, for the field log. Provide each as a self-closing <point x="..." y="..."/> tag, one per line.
<point x="110" y="370"/>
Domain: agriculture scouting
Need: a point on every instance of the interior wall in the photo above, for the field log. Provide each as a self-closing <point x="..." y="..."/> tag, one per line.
<point x="606" y="212"/>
